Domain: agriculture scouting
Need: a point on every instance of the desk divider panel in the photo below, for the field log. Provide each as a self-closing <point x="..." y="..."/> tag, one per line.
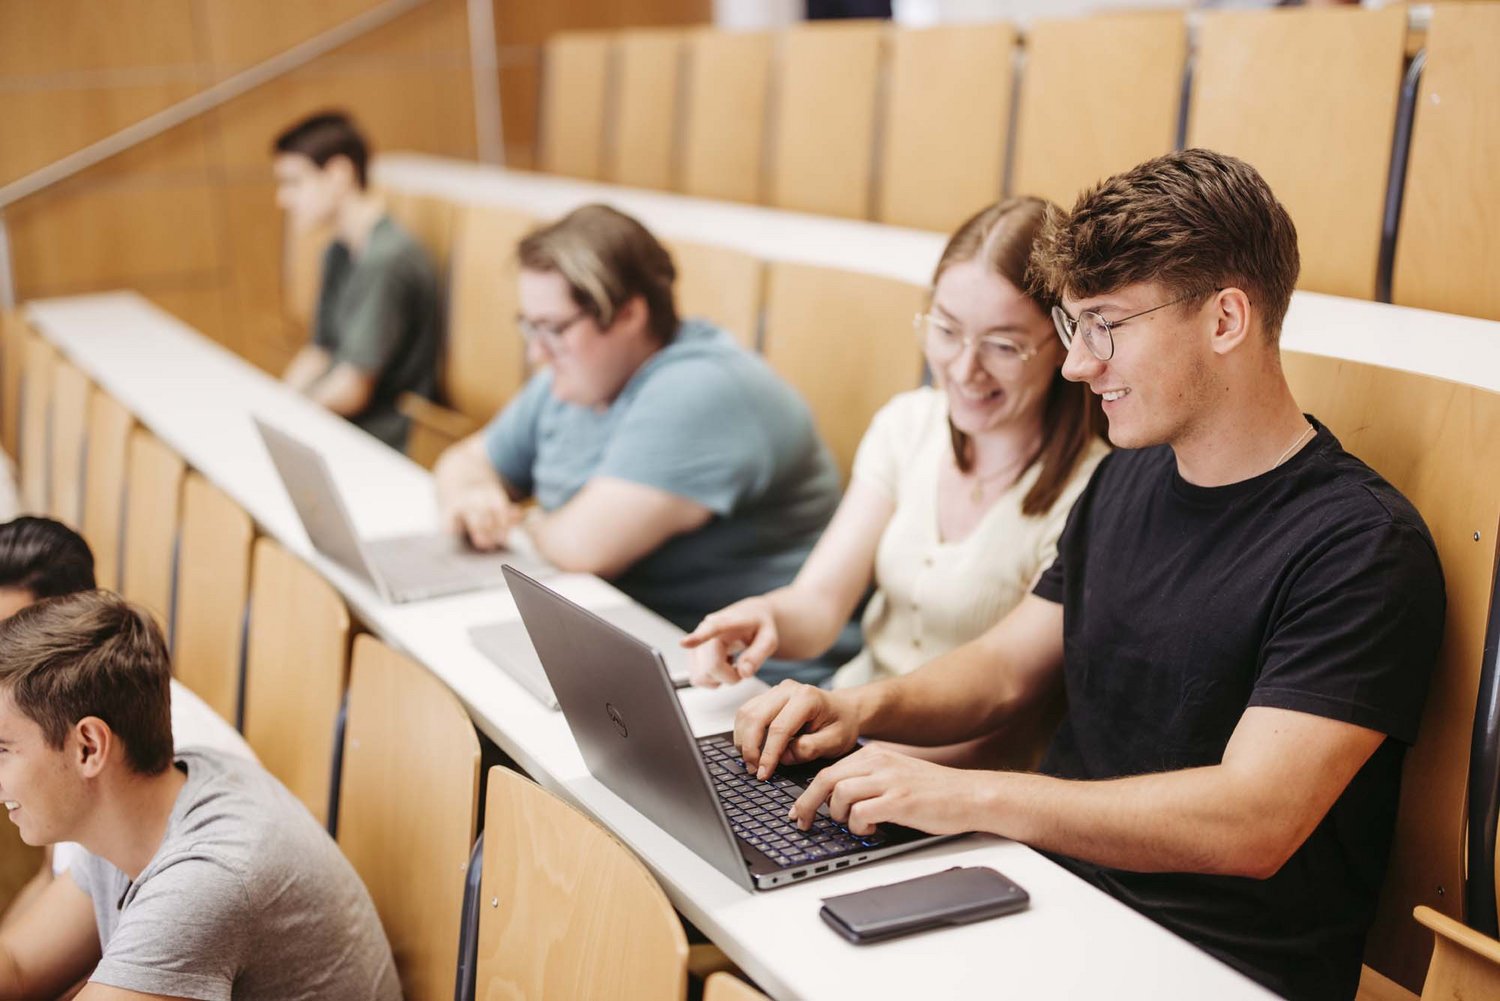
<point x="1441" y="448"/>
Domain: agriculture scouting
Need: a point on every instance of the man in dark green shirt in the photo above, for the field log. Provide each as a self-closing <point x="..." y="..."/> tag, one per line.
<point x="375" y="331"/>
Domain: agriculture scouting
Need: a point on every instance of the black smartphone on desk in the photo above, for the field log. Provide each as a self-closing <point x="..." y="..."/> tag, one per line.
<point x="951" y="897"/>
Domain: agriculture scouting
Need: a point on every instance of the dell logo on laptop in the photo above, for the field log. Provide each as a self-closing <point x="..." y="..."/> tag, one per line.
<point x="616" y="719"/>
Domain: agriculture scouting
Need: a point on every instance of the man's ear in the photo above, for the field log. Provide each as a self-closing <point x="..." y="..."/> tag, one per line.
<point x="93" y="745"/>
<point x="341" y="169"/>
<point x="1232" y="320"/>
<point x="633" y="313"/>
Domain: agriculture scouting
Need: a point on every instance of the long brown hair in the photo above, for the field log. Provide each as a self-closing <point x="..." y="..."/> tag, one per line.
<point x="1001" y="238"/>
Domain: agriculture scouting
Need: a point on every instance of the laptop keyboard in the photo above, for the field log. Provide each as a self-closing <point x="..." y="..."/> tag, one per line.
<point x="757" y="811"/>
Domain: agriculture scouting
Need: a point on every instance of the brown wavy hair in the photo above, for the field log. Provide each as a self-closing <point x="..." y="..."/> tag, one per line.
<point x="1001" y="238"/>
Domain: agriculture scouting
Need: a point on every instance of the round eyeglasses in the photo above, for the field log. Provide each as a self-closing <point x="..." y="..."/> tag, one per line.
<point x="996" y="352"/>
<point x="549" y="333"/>
<point x="1097" y="332"/>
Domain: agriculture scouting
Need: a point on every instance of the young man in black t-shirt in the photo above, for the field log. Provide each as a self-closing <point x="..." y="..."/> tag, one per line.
<point x="1244" y="617"/>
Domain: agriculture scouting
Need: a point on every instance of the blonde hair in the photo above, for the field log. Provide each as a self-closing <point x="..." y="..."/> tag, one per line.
<point x="607" y="258"/>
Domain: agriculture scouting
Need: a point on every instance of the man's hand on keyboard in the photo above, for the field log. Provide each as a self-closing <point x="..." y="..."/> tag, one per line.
<point x="793" y="723"/>
<point x="878" y="785"/>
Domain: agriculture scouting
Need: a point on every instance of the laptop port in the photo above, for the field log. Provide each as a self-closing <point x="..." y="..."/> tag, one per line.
<point x="799" y="875"/>
<point x="840" y="865"/>
<point x="821" y="868"/>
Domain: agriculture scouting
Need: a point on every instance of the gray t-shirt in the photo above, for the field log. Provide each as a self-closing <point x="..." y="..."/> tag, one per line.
<point x="703" y="419"/>
<point x="247" y="898"/>
<point x="379" y="313"/>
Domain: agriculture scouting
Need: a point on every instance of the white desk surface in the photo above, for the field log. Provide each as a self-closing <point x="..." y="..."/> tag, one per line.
<point x="1074" y="942"/>
<point x="1456" y="348"/>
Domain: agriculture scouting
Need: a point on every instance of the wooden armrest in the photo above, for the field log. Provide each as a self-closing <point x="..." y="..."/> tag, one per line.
<point x="435" y="416"/>
<point x="1459" y="934"/>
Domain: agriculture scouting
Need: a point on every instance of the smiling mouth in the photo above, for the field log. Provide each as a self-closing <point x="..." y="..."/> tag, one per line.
<point x="11" y="804"/>
<point x="1112" y="395"/>
<point x="977" y="396"/>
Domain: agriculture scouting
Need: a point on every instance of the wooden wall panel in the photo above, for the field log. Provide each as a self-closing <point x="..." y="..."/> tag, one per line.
<point x="241" y="34"/>
<point x="1308" y="97"/>
<point x="45" y="37"/>
<point x="575" y="92"/>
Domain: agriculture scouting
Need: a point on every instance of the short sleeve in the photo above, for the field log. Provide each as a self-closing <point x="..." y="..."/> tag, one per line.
<point x="693" y="431"/>
<point x="512" y="438"/>
<point x="379" y="313"/>
<point x="885" y="447"/>
<point x="1056" y="518"/>
<point x="182" y="935"/>
<point x="1358" y="634"/>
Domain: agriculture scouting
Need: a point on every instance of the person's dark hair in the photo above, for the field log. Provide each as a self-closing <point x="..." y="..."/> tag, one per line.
<point x="44" y="557"/>
<point x="91" y="653"/>
<point x="324" y="136"/>
<point x="1192" y="221"/>
<point x="607" y="259"/>
<point x="1000" y="237"/>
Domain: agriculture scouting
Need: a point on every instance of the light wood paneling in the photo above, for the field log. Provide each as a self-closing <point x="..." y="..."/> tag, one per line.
<point x="845" y="341"/>
<point x="110" y="426"/>
<point x="582" y="917"/>
<point x="727" y="89"/>
<point x="71" y="391"/>
<point x="430" y="220"/>
<point x="1465" y="964"/>
<point x="407" y="821"/>
<point x="213" y="587"/>
<point x="575" y="83"/>
<point x="1309" y="98"/>
<point x="1441" y="448"/>
<point x="46" y="125"/>
<point x="823" y="125"/>
<point x="47" y="37"/>
<point x="720" y="284"/>
<point x="13" y="332"/>
<point x="134" y="234"/>
<point x="1448" y="246"/>
<point x="946" y="124"/>
<point x="256" y="293"/>
<point x="241" y="34"/>
<point x="36" y="409"/>
<point x="484" y="361"/>
<point x="404" y="107"/>
<point x="648" y="67"/>
<point x="153" y="499"/>
<point x="728" y="987"/>
<point x="296" y="663"/>
<point x="1080" y="118"/>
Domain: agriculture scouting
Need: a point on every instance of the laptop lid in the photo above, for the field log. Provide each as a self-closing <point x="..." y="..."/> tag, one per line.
<point x="614" y="692"/>
<point x="310" y="485"/>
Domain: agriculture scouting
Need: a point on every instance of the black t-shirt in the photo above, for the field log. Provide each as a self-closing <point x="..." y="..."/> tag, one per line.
<point x="1313" y="587"/>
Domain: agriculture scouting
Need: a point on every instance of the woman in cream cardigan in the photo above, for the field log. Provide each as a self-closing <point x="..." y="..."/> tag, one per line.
<point x="959" y="490"/>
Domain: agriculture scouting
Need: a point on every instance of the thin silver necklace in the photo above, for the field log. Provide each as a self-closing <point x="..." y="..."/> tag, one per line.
<point x="1301" y="436"/>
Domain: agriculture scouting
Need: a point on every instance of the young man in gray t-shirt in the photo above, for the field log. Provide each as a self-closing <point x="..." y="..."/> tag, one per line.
<point x="205" y="878"/>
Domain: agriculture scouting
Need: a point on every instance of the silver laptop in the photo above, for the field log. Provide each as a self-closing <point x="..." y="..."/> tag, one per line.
<point x="403" y="567"/>
<point x="509" y="646"/>
<point x="625" y="715"/>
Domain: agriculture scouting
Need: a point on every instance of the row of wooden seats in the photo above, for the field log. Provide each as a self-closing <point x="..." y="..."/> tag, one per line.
<point x="916" y="127"/>
<point x="266" y="641"/>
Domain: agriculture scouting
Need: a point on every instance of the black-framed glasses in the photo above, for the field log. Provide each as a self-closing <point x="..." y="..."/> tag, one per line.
<point x="1098" y="333"/>
<point x="548" y="332"/>
<point x="996" y="352"/>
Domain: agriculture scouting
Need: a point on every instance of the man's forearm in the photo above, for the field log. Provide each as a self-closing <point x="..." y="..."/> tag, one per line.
<point x="965" y="693"/>
<point x="1198" y="820"/>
